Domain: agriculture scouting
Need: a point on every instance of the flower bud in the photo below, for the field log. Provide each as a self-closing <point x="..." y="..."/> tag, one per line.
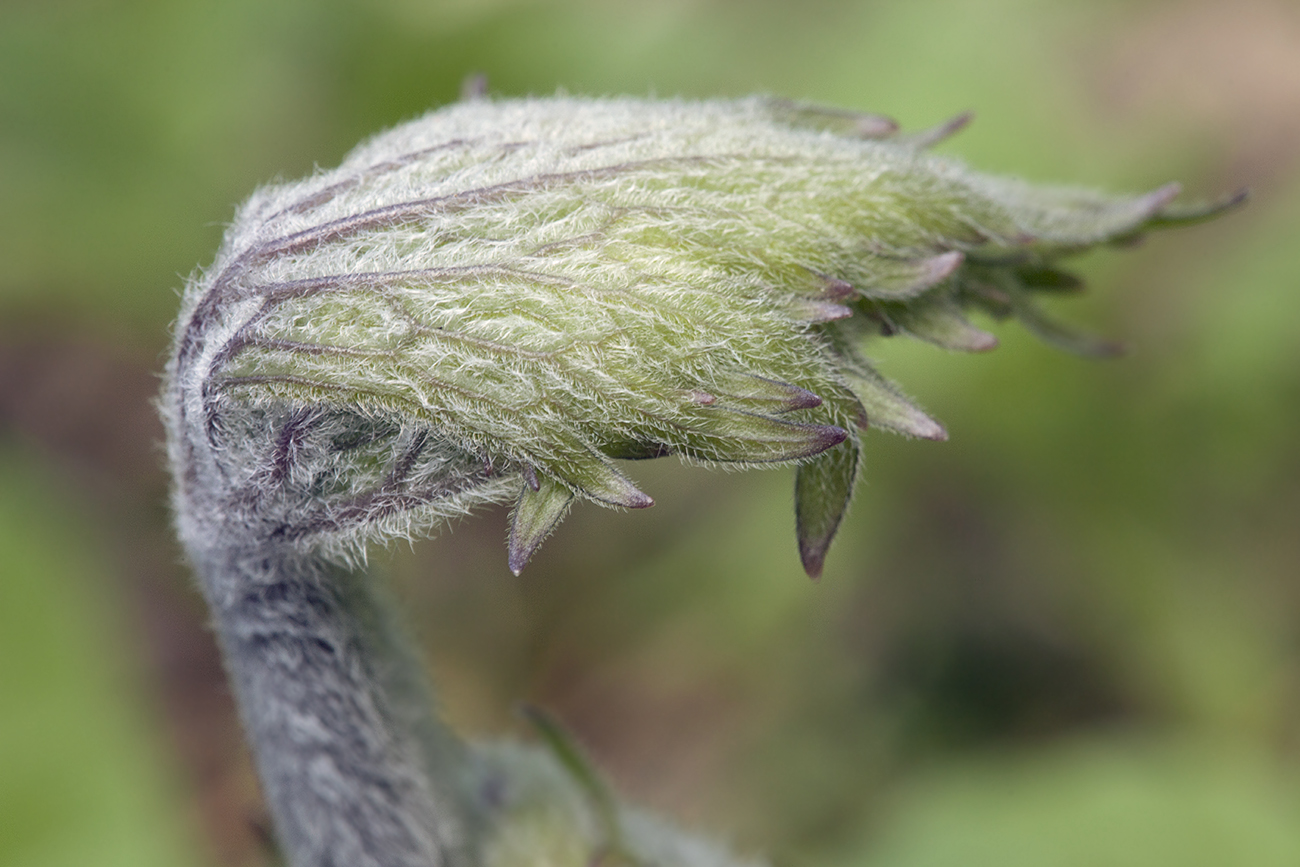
<point x="500" y="299"/>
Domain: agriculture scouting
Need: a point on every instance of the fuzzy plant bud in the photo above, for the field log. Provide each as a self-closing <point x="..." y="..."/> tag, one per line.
<point x="501" y="300"/>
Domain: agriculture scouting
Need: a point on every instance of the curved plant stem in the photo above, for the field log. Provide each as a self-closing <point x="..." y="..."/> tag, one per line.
<point x="497" y="301"/>
<point x="356" y="770"/>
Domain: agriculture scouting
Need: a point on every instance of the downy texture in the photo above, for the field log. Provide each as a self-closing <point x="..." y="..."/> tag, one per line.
<point x="499" y="300"/>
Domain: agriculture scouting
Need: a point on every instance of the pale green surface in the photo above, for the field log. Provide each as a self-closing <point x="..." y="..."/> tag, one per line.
<point x="1143" y="510"/>
<point x="82" y="781"/>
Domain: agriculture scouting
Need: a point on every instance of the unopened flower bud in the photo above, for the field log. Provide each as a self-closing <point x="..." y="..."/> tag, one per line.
<point x="502" y="298"/>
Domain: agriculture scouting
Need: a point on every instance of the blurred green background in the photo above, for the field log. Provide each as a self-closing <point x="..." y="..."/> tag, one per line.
<point x="1069" y="636"/>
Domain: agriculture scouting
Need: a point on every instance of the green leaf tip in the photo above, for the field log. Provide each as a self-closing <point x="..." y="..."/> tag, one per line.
<point x="846" y="122"/>
<point x="537" y="512"/>
<point x="943" y="324"/>
<point x="823" y="488"/>
<point x="500" y="299"/>
<point x="887" y="408"/>
<point x="928" y="138"/>
<point x="762" y="393"/>
<point x="903" y="279"/>
<point x="598" y="480"/>
<point x="1192" y="213"/>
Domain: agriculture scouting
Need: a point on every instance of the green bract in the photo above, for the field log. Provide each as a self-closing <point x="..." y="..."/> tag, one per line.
<point x="502" y="298"/>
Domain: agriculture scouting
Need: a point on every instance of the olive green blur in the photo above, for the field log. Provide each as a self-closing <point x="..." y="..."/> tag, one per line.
<point x="1070" y="635"/>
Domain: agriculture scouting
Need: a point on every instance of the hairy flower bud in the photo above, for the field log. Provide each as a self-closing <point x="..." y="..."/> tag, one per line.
<point x="500" y="299"/>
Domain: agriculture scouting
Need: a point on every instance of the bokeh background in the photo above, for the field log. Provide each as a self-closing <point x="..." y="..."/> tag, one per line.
<point x="1069" y="636"/>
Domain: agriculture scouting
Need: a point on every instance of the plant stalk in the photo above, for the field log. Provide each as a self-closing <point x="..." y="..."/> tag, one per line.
<point x="356" y="770"/>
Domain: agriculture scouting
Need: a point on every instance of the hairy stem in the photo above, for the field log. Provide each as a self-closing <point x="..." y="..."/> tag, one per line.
<point x="497" y="301"/>
<point x="356" y="770"/>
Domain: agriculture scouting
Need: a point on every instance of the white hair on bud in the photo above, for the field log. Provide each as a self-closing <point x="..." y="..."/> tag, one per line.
<point x="500" y="299"/>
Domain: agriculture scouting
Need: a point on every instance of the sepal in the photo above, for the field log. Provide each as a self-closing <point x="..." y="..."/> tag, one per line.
<point x="886" y="407"/>
<point x="537" y="512"/>
<point x="1045" y="278"/>
<point x="840" y="121"/>
<point x="815" y="311"/>
<point x="928" y="138"/>
<point x="734" y="436"/>
<point x="898" y="279"/>
<point x="1055" y="334"/>
<point x="763" y="394"/>
<point x="943" y="324"/>
<point x="822" y="490"/>
<point x="594" y="477"/>
<point x="1191" y="214"/>
<point x="1060" y="220"/>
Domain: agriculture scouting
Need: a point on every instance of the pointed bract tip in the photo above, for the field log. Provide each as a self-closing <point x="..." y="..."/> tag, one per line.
<point x="816" y="312"/>
<point x="1067" y="339"/>
<point x="944" y="325"/>
<point x="907" y="278"/>
<point x="875" y="126"/>
<point x="598" y="479"/>
<point x="536" y="514"/>
<point x="813" y="556"/>
<point x="474" y="87"/>
<point x="837" y="289"/>
<point x="928" y="138"/>
<point x="770" y="395"/>
<point x="624" y="494"/>
<point x="911" y="421"/>
<point x="1110" y="349"/>
<point x="822" y="489"/>
<point x="933" y="431"/>
<point x="957" y="123"/>
<point x="829" y="436"/>
<point x="638" y="501"/>
<point x="1189" y="215"/>
<point x="942" y="266"/>
<point x="801" y="398"/>
<point x="1155" y="201"/>
<point x="1236" y="200"/>
<point x="618" y="490"/>
<point x="1049" y="278"/>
